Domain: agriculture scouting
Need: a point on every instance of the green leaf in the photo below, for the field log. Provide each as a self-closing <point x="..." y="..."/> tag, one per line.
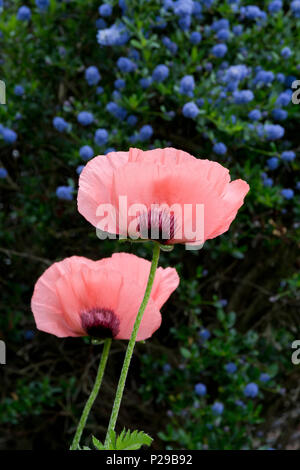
<point x="97" y="444"/>
<point x="185" y="353"/>
<point x="128" y="440"/>
<point x="231" y="319"/>
<point x="221" y="315"/>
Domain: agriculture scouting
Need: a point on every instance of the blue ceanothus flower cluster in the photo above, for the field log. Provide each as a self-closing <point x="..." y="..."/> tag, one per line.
<point x="190" y="60"/>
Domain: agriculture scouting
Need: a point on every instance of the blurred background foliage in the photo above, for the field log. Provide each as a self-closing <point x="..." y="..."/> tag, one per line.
<point x="211" y="78"/>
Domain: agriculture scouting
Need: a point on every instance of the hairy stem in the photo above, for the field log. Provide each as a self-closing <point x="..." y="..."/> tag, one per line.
<point x="93" y="395"/>
<point x="130" y="347"/>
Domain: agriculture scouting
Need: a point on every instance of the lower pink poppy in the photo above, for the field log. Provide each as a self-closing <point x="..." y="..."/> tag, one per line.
<point x="81" y="297"/>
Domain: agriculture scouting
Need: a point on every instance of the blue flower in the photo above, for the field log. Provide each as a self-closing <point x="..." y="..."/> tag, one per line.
<point x="197" y="10"/>
<point x="145" y="132"/>
<point x="9" y="135"/>
<point x="101" y="23"/>
<point x="132" y="120"/>
<point x="264" y="77"/>
<point x="145" y="82"/>
<point x="200" y="389"/>
<point x="242" y="96"/>
<point x="220" y="148"/>
<point x="208" y="66"/>
<point x="195" y="37"/>
<point x="99" y="90"/>
<point x="295" y="7"/>
<point x="24" y="13"/>
<point x="280" y="77"/>
<point x="116" y="95"/>
<point x="252" y="12"/>
<point x="126" y="65"/>
<point x="168" y="4"/>
<point x="28" y="335"/>
<point x="86" y="152"/>
<point x="109" y="150"/>
<point x="134" y="54"/>
<point x="115" y="35"/>
<point x="79" y="169"/>
<point x="237" y="29"/>
<point x="204" y="334"/>
<point x="64" y="192"/>
<point x="101" y="137"/>
<point x="122" y="5"/>
<point x="251" y="390"/>
<point x="60" y="124"/>
<point x="284" y="98"/>
<point x="3" y="172"/>
<point x="19" y="90"/>
<point x="187" y="85"/>
<point x="120" y="83"/>
<point x="160" y="73"/>
<point x="230" y="367"/>
<point x="279" y="114"/>
<point x="275" y="6"/>
<point x="222" y="303"/>
<point x="160" y="23"/>
<point x="254" y="115"/>
<point x="183" y="7"/>
<point x="217" y="408"/>
<point x="223" y="34"/>
<point x="236" y="73"/>
<point x="42" y="4"/>
<point x="92" y="75"/>
<point x="115" y="110"/>
<point x="170" y="45"/>
<point x="287" y="193"/>
<point x="105" y="9"/>
<point x="273" y="131"/>
<point x="264" y="377"/>
<point x="240" y="403"/>
<point x="208" y="3"/>
<point x="85" y="118"/>
<point x="268" y="182"/>
<point x="289" y="81"/>
<point x="273" y="163"/>
<point x="286" y="53"/>
<point x="167" y="368"/>
<point x="219" y="50"/>
<point x="184" y="23"/>
<point x="190" y="110"/>
<point x="288" y="155"/>
<point x="220" y="24"/>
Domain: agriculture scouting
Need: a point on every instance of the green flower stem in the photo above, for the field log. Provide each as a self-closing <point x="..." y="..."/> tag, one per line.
<point x="130" y="347"/>
<point x="93" y="395"/>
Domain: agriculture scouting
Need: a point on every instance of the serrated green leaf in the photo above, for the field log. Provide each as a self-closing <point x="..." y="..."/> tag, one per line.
<point x="98" y="445"/>
<point x="132" y="440"/>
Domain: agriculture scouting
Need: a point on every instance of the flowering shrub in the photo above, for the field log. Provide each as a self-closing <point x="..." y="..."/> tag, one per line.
<point x="229" y="375"/>
<point x="211" y="78"/>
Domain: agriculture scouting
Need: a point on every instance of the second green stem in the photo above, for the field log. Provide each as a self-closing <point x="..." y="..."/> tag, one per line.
<point x="92" y="396"/>
<point x="129" y="352"/>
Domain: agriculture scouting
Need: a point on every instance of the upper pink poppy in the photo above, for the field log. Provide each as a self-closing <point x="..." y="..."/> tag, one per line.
<point x="80" y="297"/>
<point x="158" y="180"/>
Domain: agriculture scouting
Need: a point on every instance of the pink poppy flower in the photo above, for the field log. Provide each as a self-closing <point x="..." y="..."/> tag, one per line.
<point x="80" y="297"/>
<point x="180" y="198"/>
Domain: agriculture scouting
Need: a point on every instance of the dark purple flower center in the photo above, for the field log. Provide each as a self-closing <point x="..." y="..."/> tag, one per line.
<point x="157" y="225"/>
<point x="100" y="323"/>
